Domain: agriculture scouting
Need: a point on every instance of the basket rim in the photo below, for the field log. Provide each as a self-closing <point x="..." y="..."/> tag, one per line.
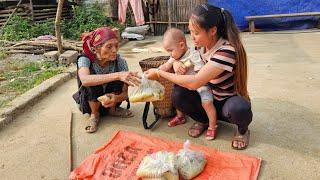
<point x="155" y="59"/>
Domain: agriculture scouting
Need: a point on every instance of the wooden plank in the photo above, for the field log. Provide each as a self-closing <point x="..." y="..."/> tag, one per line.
<point x="283" y="15"/>
<point x="19" y="14"/>
<point x="18" y="6"/>
<point x="45" y="20"/>
<point x="50" y="6"/>
<point x="48" y="16"/>
<point x="46" y="13"/>
<point x="51" y="19"/>
<point x="6" y="11"/>
<point x="45" y="6"/>
<point x="49" y="10"/>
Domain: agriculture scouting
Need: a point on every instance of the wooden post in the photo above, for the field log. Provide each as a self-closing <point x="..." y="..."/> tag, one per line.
<point x="169" y="12"/>
<point x="57" y="26"/>
<point x="31" y="8"/>
<point x="251" y="26"/>
<point x="150" y="11"/>
<point x="155" y="16"/>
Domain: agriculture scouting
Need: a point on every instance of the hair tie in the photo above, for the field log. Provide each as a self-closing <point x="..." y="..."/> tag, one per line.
<point x="205" y="6"/>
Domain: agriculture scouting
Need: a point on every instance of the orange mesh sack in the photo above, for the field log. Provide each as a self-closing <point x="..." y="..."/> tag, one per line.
<point x="121" y="157"/>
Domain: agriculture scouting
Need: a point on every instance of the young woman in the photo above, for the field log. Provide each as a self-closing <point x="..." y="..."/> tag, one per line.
<point x="214" y="31"/>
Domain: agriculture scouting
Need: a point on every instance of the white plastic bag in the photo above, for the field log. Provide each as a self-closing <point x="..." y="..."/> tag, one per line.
<point x="126" y="35"/>
<point x="138" y="29"/>
<point x="147" y="91"/>
<point x="159" y="165"/>
<point x="190" y="163"/>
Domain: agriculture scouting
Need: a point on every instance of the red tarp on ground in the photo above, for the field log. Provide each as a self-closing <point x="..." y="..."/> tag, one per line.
<point x="121" y="156"/>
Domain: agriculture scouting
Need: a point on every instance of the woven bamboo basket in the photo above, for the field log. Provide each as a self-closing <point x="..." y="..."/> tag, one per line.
<point x="164" y="107"/>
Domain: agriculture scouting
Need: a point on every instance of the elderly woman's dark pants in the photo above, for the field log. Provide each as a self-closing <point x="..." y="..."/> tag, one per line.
<point x="93" y="92"/>
<point x="235" y="110"/>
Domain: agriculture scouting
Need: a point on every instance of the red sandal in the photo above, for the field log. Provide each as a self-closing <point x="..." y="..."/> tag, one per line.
<point x="211" y="133"/>
<point x="176" y="121"/>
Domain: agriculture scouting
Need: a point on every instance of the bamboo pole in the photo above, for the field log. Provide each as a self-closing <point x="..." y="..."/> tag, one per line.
<point x="70" y="143"/>
<point x="57" y="26"/>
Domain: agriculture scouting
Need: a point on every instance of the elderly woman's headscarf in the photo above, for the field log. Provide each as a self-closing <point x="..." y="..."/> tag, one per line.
<point x="96" y="38"/>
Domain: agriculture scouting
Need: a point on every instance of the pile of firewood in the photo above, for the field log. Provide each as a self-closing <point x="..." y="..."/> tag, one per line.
<point x="38" y="46"/>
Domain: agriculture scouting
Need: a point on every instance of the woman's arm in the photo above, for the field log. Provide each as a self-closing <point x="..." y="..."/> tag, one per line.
<point x="207" y="73"/>
<point x="88" y="79"/>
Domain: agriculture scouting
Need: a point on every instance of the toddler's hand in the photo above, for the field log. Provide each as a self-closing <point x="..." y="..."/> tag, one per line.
<point x="179" y="68"/>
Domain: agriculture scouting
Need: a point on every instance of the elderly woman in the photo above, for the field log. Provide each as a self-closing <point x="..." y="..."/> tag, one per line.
<point x="101" y="71"/>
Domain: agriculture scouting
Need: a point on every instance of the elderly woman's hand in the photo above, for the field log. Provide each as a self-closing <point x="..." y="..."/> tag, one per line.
<point x="179" y="68"/>
<point x="152" y="74"/>
<point x="131" y="78"/>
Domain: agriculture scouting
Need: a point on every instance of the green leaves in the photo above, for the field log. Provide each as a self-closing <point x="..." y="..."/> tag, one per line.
<point x="16" y="29"/>
<point x="86" y="19"/>
<point x="21" y="29"/>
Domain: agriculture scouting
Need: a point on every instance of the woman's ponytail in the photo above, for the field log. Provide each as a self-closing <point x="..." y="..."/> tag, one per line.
<point x="232" y="34"/>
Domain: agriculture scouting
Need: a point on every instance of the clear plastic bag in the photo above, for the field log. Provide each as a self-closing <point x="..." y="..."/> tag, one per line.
<point x="159" y="165"/>
<point x="103" y="99"/>
<point x="190" y="163"/>
<point x="147" y="91"/>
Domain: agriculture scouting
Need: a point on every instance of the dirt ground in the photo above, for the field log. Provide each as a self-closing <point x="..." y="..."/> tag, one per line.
<point x="284" y="83"/>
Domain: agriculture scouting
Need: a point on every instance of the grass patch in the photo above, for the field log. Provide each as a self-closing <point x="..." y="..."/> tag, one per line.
<point x="45" y="75"/>
<point x="3" y="103"/>
<point x="3" y="54"/>
<point x="24" y="77"/>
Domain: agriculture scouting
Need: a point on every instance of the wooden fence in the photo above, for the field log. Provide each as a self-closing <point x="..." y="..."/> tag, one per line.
<point x="35" y="12"/>
<point x="171" y="13"/>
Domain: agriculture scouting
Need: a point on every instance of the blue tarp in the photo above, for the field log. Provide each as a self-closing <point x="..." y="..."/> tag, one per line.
<point x="242" y="8"/>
